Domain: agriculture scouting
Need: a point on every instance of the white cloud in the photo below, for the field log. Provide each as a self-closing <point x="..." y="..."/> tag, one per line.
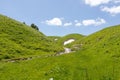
<point x="67" y="24"/>
<point x="54" y="22"/>
<point x="112" y="10"/>
<point x="76" y="21"/>
<point x="96" y="22"/>
<point x="88" y="22"/>
<point x="116" y="1"/>
<point x="103" y="5"/>
<point x="96" y="2"/>
<point x="78" y="24"/>
<point x="61" y="22"/>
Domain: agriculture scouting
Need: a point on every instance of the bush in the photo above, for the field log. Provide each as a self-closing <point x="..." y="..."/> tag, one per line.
<point x="34" y="26"/>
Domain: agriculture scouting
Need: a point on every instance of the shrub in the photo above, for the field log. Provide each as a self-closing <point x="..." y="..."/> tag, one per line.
<point x="34" y="26"/>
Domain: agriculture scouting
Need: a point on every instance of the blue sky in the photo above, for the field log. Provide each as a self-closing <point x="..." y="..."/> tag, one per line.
<point x="62" y="17"/>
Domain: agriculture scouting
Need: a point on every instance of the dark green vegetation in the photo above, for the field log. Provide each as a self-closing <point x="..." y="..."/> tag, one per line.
<point x="34" y="26"/>
<point x="97" y="56"/>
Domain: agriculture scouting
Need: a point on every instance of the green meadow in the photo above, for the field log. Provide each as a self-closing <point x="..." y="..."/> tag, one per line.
<point x="94" y="57"/>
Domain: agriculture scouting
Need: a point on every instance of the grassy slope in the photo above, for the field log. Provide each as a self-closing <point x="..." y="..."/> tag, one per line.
<point x="66" y="67"/>
<point x="98" y="59"/>
<point x="103" y="50"/>
<point x="86" y="64"/>
<point x="54" y="37"/>
<point x="18" y="39"/>
<point x="106" y="41"/>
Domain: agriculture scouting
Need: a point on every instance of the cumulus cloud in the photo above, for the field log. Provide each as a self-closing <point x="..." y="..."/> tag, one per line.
<point x="96" y="2"/>
<point x="116" y="1"/>
<point x="68" y="24"/>
<point x="61" y="22"/>
<point x="78" y="24"/>
<point x="112" y="10"/>
<point x="54" y="22"/>
<point x="96" y="22"/>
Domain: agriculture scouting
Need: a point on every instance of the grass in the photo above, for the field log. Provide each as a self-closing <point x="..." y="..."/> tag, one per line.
<point x="81" y="67"/>
<point x="18" y="39"/>
<point x="98" y="56"/>
<point x="61" y="40"/>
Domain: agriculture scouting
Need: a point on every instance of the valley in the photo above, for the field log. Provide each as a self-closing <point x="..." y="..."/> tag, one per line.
<point x="28" y="54"/>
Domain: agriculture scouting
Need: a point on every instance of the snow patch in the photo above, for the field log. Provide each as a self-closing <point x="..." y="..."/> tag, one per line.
<point x="69" y="41"/>
<point x="56" y="39"/>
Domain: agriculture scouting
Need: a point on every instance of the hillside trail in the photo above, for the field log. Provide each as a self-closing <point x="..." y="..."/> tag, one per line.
<point x="66" y="51"/>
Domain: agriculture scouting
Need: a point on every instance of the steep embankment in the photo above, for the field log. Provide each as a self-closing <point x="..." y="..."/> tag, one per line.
<point x="17" y="39"/>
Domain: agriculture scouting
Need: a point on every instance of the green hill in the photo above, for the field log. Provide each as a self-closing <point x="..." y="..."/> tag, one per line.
<point x="76" y="37"/>
<point x="102" y="51"/>
<point x="106" y="41"/>
<point x="98" y="56"/>
<point x="18" y="39"/>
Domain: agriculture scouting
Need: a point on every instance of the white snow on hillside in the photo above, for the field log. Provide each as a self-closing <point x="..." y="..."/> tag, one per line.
<point x="69" y="41"/>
